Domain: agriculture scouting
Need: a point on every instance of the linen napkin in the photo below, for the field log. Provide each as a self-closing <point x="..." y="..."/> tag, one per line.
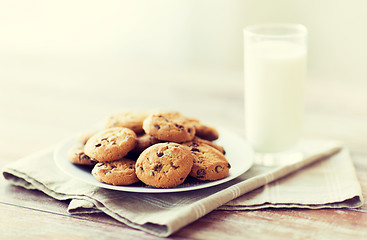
<point x="328" y="181"/>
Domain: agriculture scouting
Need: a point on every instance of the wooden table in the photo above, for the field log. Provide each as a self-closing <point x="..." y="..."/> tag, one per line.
<point x="45" y="99"/>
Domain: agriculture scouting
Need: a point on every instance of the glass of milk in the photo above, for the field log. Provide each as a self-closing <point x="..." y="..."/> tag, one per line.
<point x="275" y="68"/>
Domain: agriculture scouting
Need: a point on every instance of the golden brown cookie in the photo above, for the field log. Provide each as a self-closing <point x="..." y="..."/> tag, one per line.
<point x="209" y="163"/>
<point x="143" y="142"/>
<point x="164" y="165"/>
<point x="169" y="126"/>
<point x="110" y="144"/>
<point x="119" y="172"/>
<point x="212" y="144"/>
<point x="129" y="119"/>
<point x="204" y="131"/>
<point x="76" y="155"/>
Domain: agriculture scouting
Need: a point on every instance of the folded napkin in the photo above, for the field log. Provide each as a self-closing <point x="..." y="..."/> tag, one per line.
<point x="328" y="181"/>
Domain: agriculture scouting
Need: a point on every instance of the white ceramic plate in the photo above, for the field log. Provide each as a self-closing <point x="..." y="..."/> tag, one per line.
<point x="238" y="153"/>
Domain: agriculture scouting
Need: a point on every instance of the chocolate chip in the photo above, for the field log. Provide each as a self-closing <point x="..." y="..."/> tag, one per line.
<point x="104" y="139"/>
<point x="179" y="126"/>
<point x="189" y="130"/>
<point x="98" y="145"/>
<point x="174" y="167"/>
<point x="141" y="168"/>
<point x="93" y="161"/>
<point x="229" y="165"/>
<point x="194" y="144"/>
<point x="157" y="126"/>
<point x="200" y="172"/>
<point x="113" y="166"/>
<point x="153" y="174"/>
<point x="157" y="167"/>
<point x="181" y="178"/>
<point x="218" y="169"/>
<point x="165" y="119"/>
<point x="108" y="171"/>
<point x="194" y="149"/>
<point x="84" y="157"/>
<point x="159" y="154"/>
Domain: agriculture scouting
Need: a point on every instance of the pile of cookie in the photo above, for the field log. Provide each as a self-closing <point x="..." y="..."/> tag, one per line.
<point x="160" y="149"/>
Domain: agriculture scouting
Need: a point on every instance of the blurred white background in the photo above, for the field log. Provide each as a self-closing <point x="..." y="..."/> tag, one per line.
<point x="190" y="32"/>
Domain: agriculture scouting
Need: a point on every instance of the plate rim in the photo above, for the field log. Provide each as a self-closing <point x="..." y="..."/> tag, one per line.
<point x="249" y="153"/>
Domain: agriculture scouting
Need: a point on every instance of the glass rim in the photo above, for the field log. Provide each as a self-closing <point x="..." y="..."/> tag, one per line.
<point x="298" y="30"/>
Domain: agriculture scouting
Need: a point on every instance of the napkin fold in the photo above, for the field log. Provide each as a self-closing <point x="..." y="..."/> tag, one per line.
<point x="327" y="180"/>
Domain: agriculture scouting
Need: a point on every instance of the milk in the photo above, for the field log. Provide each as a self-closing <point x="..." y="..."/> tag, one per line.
<point x="274" y="79"/>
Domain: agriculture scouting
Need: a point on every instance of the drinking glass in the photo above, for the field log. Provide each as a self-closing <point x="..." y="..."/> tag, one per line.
<point x="274" y="72"/>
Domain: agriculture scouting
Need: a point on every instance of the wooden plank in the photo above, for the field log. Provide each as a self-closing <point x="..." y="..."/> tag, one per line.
<point x="279" y="224"/>
<point x="36" y="200"/>
<point x="23" y="223"/>
<point x="261" y="224"/>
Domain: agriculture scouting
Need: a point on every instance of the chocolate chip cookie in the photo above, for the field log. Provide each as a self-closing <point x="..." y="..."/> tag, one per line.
<point x="119" y="172"/>
<point x="169" y="126"/>
<point x="209" y="163"/>
<point x="143" y="142"/>
<point x="164" y="165"/>
<point x="212" y="144"/>
<point x="76" y="155"/>
<point x="129" y="119"/>
<point x="204" y="131"/>
<point x="110" y="144"/>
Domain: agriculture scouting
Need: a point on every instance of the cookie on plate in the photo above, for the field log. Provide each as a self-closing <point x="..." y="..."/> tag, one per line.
<point x="164" y="165"/>
<point x="143" y="142"/>
<point x="204" y="131"/>
<point x="76" y="155"/>
<point x="129" y="119"/>
<point x="209" y="163"/>
<point x="212" y="144"/>
<point x="110" y="144"/>
<point x="169" y="126"/>
<point x="119" y="172"/>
